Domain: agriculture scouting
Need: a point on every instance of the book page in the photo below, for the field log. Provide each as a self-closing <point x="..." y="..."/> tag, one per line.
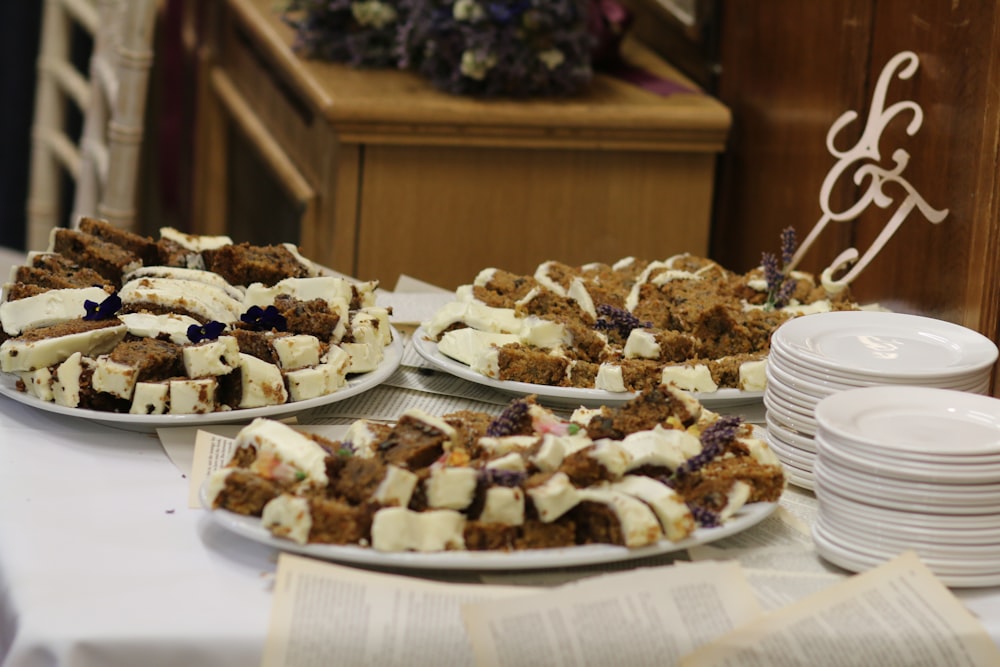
<point x="897" y="614"/>
<point x="650" y="616"/>
<point x="327" y="614"/>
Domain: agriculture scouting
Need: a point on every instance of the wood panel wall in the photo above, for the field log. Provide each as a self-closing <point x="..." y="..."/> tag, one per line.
<point x="789" y="68"/>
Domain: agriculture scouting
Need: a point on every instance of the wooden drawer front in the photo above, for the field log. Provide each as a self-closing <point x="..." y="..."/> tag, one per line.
<point x="442" y="214"/>
<point x="292" y="121"/>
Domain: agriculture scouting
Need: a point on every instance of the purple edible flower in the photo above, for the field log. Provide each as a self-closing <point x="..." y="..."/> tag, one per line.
<point x="104" y="310"/>
<point x="264" y="319"/>
<point x="208" y="331"/>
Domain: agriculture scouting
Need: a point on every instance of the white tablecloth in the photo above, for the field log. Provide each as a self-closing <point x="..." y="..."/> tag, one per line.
<point x="101" y="561"/>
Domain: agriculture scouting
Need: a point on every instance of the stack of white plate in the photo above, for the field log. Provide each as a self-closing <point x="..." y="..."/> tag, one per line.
<point x="910" y="468"/>
<point x="815" y="356"/>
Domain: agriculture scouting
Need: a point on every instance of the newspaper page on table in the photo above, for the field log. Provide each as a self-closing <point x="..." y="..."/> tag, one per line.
<point x="898" y="614"/>
<point x="328" y="614"/>
<point x="645" y="617"/>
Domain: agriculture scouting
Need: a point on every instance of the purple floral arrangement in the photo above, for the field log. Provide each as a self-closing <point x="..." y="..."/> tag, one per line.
<point x="485" y="48"/>
<point x="501" y="48"/>
<point x="362" y="33"/>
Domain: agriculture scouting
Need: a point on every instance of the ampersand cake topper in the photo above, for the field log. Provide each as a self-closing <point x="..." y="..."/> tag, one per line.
<point x="864" y="158"/>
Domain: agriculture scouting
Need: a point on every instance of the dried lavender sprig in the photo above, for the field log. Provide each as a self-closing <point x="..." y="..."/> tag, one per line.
<point x="713" y="441"/>
<point x="789" y="243"/>
<point x="772" y="274"/>
<point x="497" y="477"/>
<point x="508" y="421"/>
<point x="610" y="318"/>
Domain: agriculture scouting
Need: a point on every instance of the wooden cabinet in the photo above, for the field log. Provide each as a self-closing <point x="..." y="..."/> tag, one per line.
<point x="392" y="176"/>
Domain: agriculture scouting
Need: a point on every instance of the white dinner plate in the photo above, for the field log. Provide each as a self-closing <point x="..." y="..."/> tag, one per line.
<point x="897" y="469"/>
<point x="848" y="535"/>
<point x="876" y="344"/>
<point x="911" y="496"/>
<point x="528" y="559"/>
<point x="947" y="528"/>
<point x="914" y="419"/>
<point x="879" y="548"/>
<point x="356" y="384"/>
<point x="860" y="561"/>
<point x="565" y="397"/>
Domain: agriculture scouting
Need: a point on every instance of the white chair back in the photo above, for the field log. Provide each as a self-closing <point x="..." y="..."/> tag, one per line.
<point x="103" y="162"/>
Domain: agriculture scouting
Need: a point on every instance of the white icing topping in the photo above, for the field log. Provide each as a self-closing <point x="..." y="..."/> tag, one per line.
<point x="216" y="483"/>
<point x="400" y="529"/>
<point x="335" y="291"/>
<point x="364" y="357"/>
<point x="543" y="278"/>
<point x="475" y="315"/>
<point x="66" y="390"/>
<point x="362" y="437"/>
<point x="48" y="308"/>
<point x="261" y="383"/>
<point x="660" y="447"/>
<point x="503" y="505"/>
<point x="467" y="345"/>
<point x="544" y="334"/>
<point x="578" y="293"/>
<point x="373" y="323"/>
<point x="450" y="488"/>
<point x="555" y="448"/>
<point x="611" y="455"/>
<point x="172" y="325"/>
<point x="642" y="344"/>
<point x="195" y="396"/>
<point x="639" y="525"/>
<point x="113" y="377"/>
<point x="278" y="444"/>
<point x="296" y="351"/>
<point x="38" y="383"/>
<point x="17" y="354"/>
<point x="690" y="378"/>
<point x="609" y="378"/>
<point x="436" y="423"/>
<point x="396" y="488"/>
<point x="150" y="398"/>
<point x="200" y="299"/>
<point x="672" y="512"/>
<point x="288" y="516"/>
<point x="511" y="461"/>
<point x="194" y="242"/>
<point x="736" y="498"/>
<point x="554" y="498"/>
<point x="507" y="444"/>
<point x="213" y="357"/>
<point x="193" y="275"/>
<point x="753" y="375"/>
